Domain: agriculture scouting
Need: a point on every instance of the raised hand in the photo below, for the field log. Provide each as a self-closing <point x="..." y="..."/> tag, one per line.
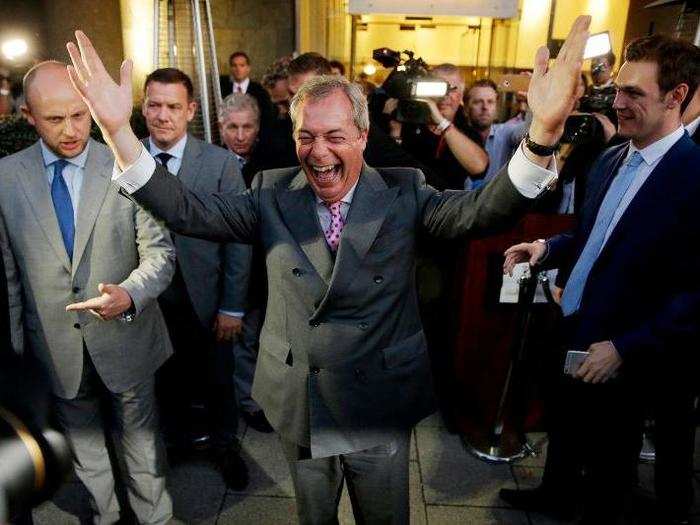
<point x="110" y="103"/>
<point x="552" y="92"/>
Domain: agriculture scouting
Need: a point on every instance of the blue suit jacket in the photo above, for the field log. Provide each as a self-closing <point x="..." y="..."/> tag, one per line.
<point x="643" y="292"/>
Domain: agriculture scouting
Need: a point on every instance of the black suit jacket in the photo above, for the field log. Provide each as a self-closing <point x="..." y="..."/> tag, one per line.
<point x="641" y="293"/>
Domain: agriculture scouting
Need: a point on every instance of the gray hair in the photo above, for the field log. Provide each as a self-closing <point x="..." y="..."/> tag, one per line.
<point x="320" y="87"/>
<point x="452" y="70"/>
<point x="237" y="102"/>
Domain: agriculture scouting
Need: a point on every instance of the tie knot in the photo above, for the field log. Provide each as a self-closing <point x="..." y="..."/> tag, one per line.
<point x="334" y="207"/>
<point x="164" y="158"/>
<point x="58" y="166"/>
<point x="635" y="160"/>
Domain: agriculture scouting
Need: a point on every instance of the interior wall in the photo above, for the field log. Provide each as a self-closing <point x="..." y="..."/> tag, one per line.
<point x="264" y="29"/>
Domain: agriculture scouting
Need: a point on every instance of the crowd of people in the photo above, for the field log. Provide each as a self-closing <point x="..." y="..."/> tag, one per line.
<point x="167" y="286"/>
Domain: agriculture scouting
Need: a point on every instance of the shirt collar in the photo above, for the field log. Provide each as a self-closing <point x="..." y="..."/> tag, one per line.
<point x="692" y="127"/>
<point x="50" y="157"/>
<point x="658" y="149"/>
<point x="243" y="84"/>
<point x="177" y="151"/>
<point x="347" y="199"/>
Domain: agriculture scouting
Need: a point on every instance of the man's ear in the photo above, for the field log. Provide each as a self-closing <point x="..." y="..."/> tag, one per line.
<point x="191" y="110"/>
<point x="676" y="96"/>
<point x="27" y="113"/>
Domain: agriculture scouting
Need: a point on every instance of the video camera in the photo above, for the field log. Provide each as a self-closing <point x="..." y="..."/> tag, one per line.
<point x="409" y="80"/>
<point x="34" y="459"/>
<point x="585" y="127"/>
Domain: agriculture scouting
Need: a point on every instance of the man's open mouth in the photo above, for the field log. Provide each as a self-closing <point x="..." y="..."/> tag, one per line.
<point x="326" y="173"/>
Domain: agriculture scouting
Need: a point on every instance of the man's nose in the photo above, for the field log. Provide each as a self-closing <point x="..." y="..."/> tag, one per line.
<point x="239" y="135"/>
<point x="69" y="128"/>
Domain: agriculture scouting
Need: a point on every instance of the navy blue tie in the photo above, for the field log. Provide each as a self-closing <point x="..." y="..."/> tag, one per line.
<point x="63" y="206"/>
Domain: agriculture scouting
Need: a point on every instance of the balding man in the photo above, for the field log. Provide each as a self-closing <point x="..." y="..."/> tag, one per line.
<point x="74" y="237"/>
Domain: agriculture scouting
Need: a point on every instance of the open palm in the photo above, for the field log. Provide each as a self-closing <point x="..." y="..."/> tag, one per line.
<point x="553" y="90"/>
<point x="110" y="103"/>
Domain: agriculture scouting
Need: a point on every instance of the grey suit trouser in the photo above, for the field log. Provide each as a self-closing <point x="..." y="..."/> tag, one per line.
<point x="245" y="355"/>
<point x="134" y="416"/>
<point x="377" y="481"/>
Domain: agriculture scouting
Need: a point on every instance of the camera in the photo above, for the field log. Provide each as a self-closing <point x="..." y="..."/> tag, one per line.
<point x="584" y="128"/>
<point x="408" y="81"/>
<point x="34" y="458"/>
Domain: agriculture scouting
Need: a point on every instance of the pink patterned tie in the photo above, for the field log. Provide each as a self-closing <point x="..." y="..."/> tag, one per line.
<point x="336" y="226"/>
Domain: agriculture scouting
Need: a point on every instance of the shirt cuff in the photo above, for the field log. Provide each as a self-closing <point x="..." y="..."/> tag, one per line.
<point x="232" y="314"/>
<point x="136" y="175"/>
<point x="530" y="179"/>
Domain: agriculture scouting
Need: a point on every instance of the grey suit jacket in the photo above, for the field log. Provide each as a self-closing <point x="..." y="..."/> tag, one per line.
<point x="14" y="291"/>
<point x="115" y="242"/>
<point x="216" y="275"/>
<point x="342" y="351"/>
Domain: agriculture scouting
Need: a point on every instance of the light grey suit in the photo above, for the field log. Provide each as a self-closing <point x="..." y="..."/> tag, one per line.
<point x="115" y="242"/>
<point x="343" y="365"/>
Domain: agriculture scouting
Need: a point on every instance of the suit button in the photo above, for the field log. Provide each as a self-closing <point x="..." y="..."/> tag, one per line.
<point x="314" y="324"/>
<point x="317" y="304"/>
<point x="76" y="326"/>
<point x="297" y="272"/>
<point x="378" y="279"/>
<point x="76" y="289"/>
<point x="315" y="370"/>
<point x="363" y="326"/>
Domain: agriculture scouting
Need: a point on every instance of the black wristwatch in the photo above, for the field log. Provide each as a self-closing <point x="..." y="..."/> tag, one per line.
<point x="539" y="149"/>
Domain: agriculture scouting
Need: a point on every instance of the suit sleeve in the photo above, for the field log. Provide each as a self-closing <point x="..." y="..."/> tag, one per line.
<point x="156" y="261"/>
<point x="237" y="257"/>
<point x="455" y="213"/>
<point x="220" y="217"/>
<point x="14" y="291"/>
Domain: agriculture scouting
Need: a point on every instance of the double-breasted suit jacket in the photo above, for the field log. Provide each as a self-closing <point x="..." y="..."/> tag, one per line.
<point x="342" y="352"/>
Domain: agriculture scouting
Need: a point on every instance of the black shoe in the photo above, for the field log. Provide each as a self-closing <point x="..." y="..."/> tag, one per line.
<point x="539" y="500"/>
<point x="233" y="468"/>
<point x="258" y="421"/>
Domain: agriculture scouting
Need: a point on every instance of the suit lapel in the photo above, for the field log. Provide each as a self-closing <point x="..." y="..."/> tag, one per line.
<point x="96" y="182"/>
<point x="36" y="188"/>
<point x="298" y="208"/>
<point x="191" y="163"/>
<point x="647" y="198"/>
<point x="370" y="204"/>
<point x="610" y="170"/>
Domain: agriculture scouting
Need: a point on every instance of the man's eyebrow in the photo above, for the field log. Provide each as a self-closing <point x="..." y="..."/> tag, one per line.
<point x="629" y="87"/>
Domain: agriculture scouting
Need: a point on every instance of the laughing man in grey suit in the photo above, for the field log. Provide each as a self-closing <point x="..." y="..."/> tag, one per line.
<point x="72" y="234"/>
<point x="343" y="373"/>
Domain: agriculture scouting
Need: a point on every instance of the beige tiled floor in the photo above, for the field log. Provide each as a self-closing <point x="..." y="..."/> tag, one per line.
<point x="447" y="485"/>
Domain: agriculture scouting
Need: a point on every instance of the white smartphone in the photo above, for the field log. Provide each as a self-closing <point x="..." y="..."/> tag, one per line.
<point x="574" y="360"/>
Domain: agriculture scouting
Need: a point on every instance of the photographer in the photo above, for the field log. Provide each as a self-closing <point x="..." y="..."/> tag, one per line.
<point x="447" y="143"/>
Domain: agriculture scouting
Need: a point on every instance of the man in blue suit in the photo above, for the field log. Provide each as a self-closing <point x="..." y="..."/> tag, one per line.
<point x="630" y="299"/>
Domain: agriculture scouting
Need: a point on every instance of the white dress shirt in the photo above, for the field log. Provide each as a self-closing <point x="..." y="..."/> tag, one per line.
<point x="176" y="151"/>
<point x="73" y="173"/>
<point x="692" y="127"/>
<point x="243" y="85"/>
